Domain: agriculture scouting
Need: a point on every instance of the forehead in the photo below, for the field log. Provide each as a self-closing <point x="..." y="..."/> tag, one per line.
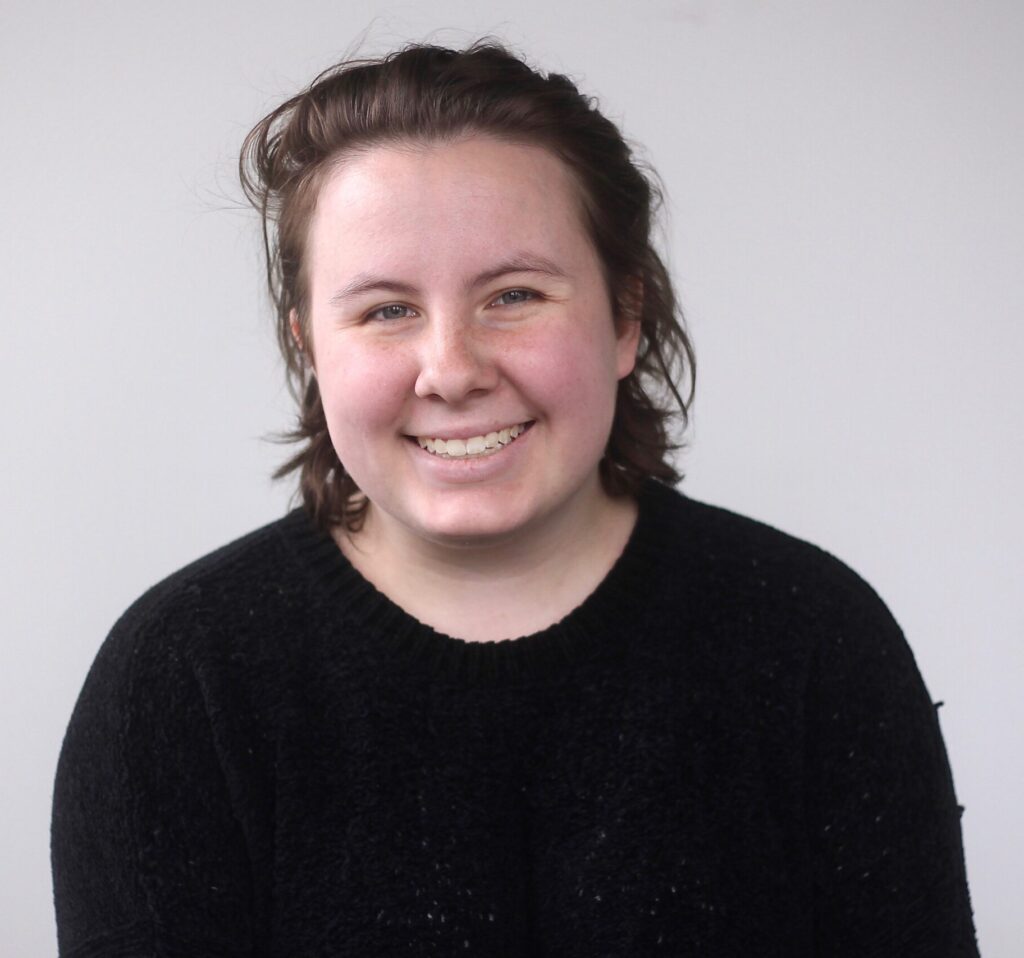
<point x="472" y="197"/>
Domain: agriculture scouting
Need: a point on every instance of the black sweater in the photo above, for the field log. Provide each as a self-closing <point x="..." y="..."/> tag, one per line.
<point x="726" y="750"/>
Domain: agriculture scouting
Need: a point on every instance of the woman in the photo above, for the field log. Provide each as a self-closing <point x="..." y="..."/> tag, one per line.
<point x="496" y="689"/>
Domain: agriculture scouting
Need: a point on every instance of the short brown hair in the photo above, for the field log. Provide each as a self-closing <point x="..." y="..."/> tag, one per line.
<point x="430" y="93"/>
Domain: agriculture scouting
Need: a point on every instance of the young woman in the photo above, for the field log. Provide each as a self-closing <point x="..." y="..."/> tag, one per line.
<point x="496" y="688"/>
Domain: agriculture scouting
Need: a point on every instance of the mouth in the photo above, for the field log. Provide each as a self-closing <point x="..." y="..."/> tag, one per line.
<point x="473" y="447"/>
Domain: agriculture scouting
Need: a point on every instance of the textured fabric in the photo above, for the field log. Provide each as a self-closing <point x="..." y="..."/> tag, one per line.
<point x="726" y="750"/>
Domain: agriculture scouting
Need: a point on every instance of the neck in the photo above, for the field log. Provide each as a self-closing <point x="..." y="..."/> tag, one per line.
<point x="499" y="588"/>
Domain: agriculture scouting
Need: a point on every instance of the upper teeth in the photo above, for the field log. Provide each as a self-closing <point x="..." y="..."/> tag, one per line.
<point x="474" y="445"/>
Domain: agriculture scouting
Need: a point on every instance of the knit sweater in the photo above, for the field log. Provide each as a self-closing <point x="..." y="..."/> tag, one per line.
<point x="725" y="750"/>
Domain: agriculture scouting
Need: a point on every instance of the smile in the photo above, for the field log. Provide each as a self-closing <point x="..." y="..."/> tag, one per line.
<point x="474" y="447"/>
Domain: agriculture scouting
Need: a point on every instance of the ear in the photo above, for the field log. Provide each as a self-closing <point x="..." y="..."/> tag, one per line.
<point x="296" y="330"/>
<point x="627" y="325"/>
<point x="295" y="327"/>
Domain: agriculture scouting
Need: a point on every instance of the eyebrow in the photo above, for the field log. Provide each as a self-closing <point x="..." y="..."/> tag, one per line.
<point x="519" y="263"/>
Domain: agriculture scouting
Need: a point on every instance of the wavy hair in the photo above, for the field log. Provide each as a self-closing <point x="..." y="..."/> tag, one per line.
<point x="424" y="93"/>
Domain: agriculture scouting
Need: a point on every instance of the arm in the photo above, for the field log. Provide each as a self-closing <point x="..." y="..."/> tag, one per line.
<point x="147" y="855"/>
<point x="883" y="818"/>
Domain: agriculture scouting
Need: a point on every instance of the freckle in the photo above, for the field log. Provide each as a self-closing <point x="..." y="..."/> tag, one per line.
<point x="597" y="898"/>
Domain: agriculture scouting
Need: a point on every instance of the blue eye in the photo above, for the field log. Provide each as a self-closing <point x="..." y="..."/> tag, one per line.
<point x="521" y="296"/>
<point x="391" y="311"/>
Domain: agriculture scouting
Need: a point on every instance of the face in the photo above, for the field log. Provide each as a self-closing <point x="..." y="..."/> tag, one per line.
<point x="462" y="337"/>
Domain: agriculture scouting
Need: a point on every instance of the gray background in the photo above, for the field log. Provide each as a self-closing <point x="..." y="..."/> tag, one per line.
<point x="845" y="200"/>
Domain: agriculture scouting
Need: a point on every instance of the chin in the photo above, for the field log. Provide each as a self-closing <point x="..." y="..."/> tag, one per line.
<point x="477" y="518"/>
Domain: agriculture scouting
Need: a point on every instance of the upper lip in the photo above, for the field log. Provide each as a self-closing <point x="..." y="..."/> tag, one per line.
<point x="467" y="432"/>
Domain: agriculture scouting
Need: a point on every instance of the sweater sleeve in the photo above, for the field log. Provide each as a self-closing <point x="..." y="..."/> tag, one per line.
<point x="883" y="817"/>
<point x="148" y="857"/>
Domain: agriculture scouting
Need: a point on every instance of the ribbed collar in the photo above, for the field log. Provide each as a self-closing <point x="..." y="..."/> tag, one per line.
<point x="604" y="624"/>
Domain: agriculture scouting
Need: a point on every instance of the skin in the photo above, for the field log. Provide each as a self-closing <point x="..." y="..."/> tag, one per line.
<point x="454" y="291"/>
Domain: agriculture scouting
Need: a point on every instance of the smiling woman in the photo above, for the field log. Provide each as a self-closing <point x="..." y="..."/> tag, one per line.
<point x="462" y="357"/>
<point x="495" y="688"/>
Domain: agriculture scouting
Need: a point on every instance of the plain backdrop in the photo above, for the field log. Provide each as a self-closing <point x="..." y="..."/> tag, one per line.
<point x="845" y="211"/>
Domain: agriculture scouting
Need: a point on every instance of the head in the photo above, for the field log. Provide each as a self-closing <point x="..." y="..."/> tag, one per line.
<point x="423" y="97"/>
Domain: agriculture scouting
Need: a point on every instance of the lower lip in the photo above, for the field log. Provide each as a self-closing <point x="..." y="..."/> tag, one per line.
<point x="470" y="469"/>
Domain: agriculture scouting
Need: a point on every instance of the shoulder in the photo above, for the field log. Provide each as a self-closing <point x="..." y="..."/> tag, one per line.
<point x="770" y="618"/>
<point x="748" y="553"/>
<point x="748" y="578"/>
<point x="231" y="596"/>
<point x="244" y="570"/>
<point x="205" y="640"/>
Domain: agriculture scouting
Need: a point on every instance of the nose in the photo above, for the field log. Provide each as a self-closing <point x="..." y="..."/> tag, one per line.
<point x="455" y="362"/>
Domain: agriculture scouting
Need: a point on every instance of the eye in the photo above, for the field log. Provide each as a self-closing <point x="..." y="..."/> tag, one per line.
<point x="390" y="311"/>
<point x="513" y="297"/>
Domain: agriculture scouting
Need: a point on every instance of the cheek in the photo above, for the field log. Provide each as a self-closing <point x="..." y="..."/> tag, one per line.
<point x="575" y="383"/>
<point x="363" y="391"/>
